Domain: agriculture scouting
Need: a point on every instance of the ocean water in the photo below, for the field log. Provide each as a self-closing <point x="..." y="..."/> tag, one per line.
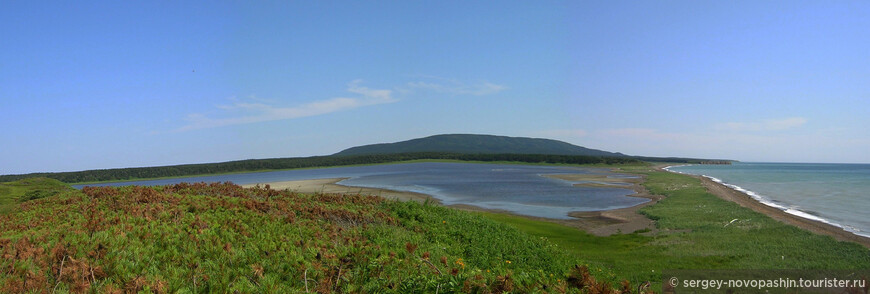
<point x="838" y="194"/>
<point x="517" y="188"/>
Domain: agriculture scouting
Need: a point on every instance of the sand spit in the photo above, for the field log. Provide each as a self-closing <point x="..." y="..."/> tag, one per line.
<point x="330" y="186"/>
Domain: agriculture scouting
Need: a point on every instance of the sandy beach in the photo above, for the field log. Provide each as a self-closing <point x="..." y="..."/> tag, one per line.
<point x="331" y="186"/>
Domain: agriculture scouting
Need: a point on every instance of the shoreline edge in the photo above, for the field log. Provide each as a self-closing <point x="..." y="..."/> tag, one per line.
<point x="819" y="226"/>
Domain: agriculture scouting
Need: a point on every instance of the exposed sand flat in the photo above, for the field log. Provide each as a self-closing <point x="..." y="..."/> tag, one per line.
<point x="600" y="223"/>
<point x="609" y="222"/>
<point x="600" y="181"/>
<point x="596" y="178"/>
<point x="330" y="186"/>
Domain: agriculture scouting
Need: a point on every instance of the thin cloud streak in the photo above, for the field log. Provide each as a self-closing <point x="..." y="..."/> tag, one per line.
<point x="454" y="87"/>
<point x="766" y="125"/>
<point x="261" y="112"/>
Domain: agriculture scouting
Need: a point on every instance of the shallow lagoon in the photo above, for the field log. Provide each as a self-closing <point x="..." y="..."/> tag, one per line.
<point x="516" y="188"/>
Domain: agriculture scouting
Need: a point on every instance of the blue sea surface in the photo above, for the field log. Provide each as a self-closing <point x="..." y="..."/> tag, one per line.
<point x="516" y="188"/>
<point x="838" y="194"/>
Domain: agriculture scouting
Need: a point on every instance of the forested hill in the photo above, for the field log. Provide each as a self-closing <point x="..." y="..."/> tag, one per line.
<point x="479" y="144"/>
<point x="252" y="165"/>
<point x="442" y="147"/>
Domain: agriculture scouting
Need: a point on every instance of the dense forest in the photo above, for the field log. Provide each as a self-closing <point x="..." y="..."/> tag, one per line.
<point x="301" y="162"/>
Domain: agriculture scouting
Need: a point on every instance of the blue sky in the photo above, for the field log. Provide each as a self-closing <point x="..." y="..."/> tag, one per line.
<point x="143" y="83"/>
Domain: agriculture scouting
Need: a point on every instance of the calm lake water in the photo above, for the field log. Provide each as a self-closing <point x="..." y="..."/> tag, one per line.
<point x="517" y="188"/>
<point x="838" y="194"/>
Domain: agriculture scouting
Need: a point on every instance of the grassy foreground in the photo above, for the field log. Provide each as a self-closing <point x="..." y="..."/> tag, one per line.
<point x="193" y="238"/>
<point x="202" y="238"/>
<point x="696" y="232"/>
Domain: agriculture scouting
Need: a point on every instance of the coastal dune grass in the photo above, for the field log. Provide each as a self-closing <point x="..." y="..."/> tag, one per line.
<point x="697" y="230"/>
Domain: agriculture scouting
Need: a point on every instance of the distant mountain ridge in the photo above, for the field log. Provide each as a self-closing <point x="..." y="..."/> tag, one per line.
<point x="478" y="144"/>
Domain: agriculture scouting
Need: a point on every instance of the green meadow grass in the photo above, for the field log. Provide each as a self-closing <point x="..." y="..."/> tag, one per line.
<point x="693" y="235"/>
<point x="12" y="193"/>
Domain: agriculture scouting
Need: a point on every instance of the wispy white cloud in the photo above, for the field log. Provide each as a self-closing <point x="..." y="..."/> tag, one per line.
<point x="378" y="95"/>
<point x="765" y="125"/>
<point x="246" y="113"/>
<point x="455" y="87"/>
<point x="254" y="110"/>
